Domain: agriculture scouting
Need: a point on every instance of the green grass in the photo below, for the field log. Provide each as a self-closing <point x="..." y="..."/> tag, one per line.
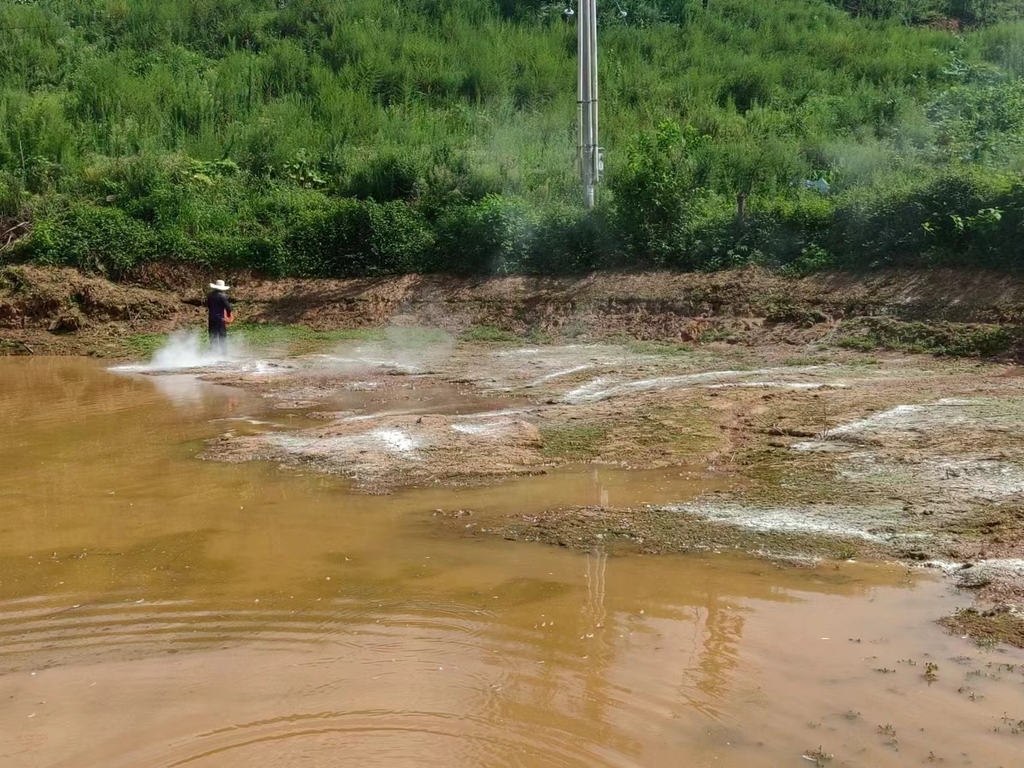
<point x="299" y="339"/>
<point x="317" y="138"/>
<point x="712" y="335"/>
<point x="939" y="338"/>
<point x="659" y="348"/>
<point x="573" y="442"/>
<point x="144" y="345"/>
<point x="800" y="361"/>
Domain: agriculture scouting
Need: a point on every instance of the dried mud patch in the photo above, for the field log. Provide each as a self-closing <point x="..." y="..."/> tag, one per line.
<point x="398" y="450"/>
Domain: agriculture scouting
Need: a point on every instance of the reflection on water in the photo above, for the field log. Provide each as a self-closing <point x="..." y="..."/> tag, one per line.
<point x="156" y="610"/>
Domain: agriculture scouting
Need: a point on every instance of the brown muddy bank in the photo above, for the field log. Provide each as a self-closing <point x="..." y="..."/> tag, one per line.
<point x="964" y="313"/>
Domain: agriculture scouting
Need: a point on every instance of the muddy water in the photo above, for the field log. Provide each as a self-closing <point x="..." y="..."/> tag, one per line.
<point x="156" y="610"/>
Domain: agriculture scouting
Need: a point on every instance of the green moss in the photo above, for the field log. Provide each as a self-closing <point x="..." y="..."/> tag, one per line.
<point x="803" y="360"/>
<point x="988" y="627"/>
<point x="144" y="344"/>
<point x="297" y="339"/>
<point x="714" y="334"/>
<point x="573" y="442"/>
<point x="952" y="339"/>
<point x="664" y="349"/>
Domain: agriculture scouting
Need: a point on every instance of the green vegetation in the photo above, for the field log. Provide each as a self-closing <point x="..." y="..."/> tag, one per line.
<point x="656" y="348"/>
<point x="144" y="344"/>
<point x="954" y="339"/>
<point x="368" y="137"/>
<point x="987" y="627"/>
<point x="573" y="442"/>
<point x="298" y="338"/>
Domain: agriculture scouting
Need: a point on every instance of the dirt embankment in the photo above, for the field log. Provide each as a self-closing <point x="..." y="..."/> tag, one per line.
<point x="60" y="311"/>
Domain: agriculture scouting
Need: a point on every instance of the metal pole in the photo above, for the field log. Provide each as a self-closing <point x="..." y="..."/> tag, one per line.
<point x="594" y="159"/>
<point x="586" y="47"/>
<point x="580" y="95"/>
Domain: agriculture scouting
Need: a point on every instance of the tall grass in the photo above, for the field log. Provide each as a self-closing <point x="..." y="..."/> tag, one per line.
<point x="279" y="133"/>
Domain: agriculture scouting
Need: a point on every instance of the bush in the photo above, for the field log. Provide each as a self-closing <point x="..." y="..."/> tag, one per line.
<point x="350" y="238"/>
<point x="103" y="240"/>
<point x="320" y="138"/>
<point x="653" y="192"/>
<point x="491" y="237"/>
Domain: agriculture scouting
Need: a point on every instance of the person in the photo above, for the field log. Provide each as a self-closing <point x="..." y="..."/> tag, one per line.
<point x="219" y="309"/>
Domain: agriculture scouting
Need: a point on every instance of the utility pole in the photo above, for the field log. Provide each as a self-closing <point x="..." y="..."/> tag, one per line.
<point x="587" y="147"/>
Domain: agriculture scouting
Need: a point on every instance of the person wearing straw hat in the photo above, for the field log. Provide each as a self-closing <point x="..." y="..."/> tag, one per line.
<point x="220" y="317"/>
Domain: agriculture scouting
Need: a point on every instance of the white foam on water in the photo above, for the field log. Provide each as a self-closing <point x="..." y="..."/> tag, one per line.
<point x="559" y="374"/>
<point x="396" y="440"/>
<point x="489" y="428"/>
<point x="370" y="362"/>
<point x="492" y="414"/>
<point x="826" y="522"/>
<point x="818" y="446"/>
<point x="903" y="416"/>
<point x="185" y="350"/>
<point x="518" y="352"/>
<point x="972" y="478"/>
<point x="368" y="416"/>
<point x="248" y="420"/>
<point x="894" y="416"/>
<point x="391" y="440"/>
<point x="594" y="390"/>
<point x="938" y="415"/>
<point x="773" y="385"/>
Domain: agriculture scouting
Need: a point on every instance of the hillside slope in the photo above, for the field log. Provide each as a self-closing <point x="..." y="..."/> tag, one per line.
<point x="317" y="138"/>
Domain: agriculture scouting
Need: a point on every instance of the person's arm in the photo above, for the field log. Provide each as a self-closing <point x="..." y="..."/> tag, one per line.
<point x="229" y="317"/>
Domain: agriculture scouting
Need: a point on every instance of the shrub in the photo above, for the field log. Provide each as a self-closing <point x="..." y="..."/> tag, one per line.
<point x="491" y="237"/>
<point x="93" y="238"/>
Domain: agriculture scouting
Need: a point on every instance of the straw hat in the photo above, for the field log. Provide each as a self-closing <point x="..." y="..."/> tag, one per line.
<point x="219" y="286"/>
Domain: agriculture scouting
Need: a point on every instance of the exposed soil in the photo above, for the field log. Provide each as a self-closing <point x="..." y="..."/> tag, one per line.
<point x="60" y="311"/>
<point x="996" y="625"/>
<point x="50" y="311"/>
<point x="833" y="453"/>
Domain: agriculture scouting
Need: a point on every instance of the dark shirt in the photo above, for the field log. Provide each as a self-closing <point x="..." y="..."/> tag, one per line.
<point x="217" y="304"/>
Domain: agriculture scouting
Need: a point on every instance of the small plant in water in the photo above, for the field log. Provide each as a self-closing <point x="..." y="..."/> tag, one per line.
<point x="931" y="670"/>
<point x="890" y="732"/>
<point x="818" y="756"/>
<point x="1016" y="726"/>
